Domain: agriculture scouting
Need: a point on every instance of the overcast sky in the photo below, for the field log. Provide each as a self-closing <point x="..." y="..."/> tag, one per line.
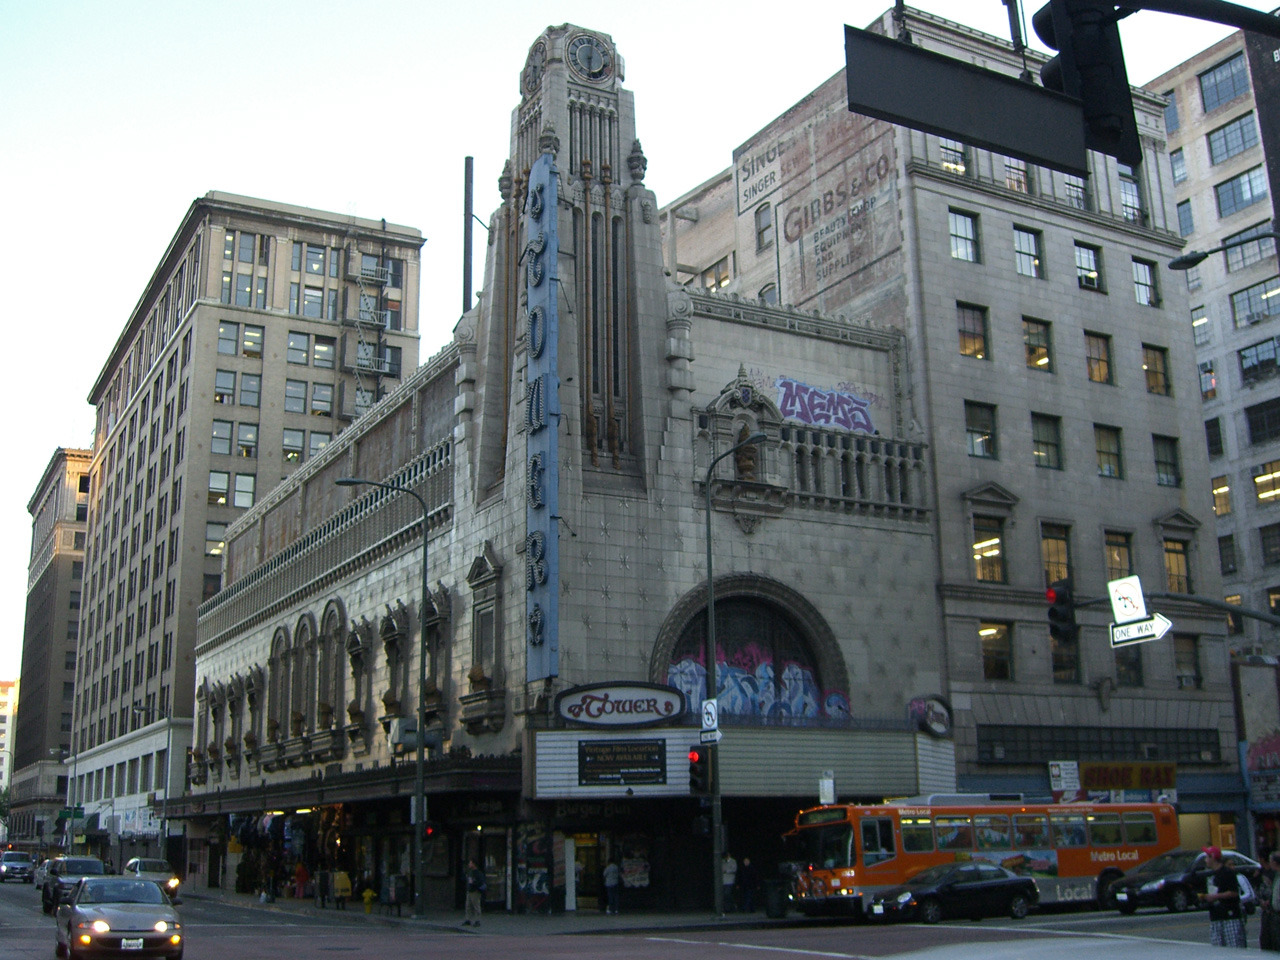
<point x="115" y="116"/>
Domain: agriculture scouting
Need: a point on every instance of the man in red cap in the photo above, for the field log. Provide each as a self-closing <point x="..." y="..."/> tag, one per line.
<point x="1222" y="896"/>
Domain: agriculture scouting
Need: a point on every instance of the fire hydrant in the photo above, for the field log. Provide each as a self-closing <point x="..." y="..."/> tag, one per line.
<point x="368" y="897"/>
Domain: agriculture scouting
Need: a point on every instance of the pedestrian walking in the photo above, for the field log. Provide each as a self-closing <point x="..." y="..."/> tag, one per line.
<point x="476" y="887"/>
<point x="1269" y="897"/>
<point x="728" y="877"/>
<point x="747" y="882"/>
<point x="300" y="878"/>
<point x="1222" y="895"/>
<point x="612" y="886"/>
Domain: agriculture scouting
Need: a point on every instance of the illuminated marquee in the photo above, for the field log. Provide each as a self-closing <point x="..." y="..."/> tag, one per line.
<point x="542" y="473"/>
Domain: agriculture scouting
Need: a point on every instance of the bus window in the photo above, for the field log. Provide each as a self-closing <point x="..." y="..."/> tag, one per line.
<point x="992" y="832"/>
<point x="917" y="835"/>
<point x="1030" y="831"/>
<point x="877" y="840"/>
<point x="1068" y="830"/>
<point x="832" y="846"/>
<point x="953" y="833"/>
<point x="1104" y="829"/>
<point x="1139" y="827"/>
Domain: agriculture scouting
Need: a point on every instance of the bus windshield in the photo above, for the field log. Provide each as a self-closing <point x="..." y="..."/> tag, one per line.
<point x="827" y="847"/>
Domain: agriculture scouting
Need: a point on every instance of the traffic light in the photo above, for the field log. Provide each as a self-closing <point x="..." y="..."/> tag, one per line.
<point x="699" y="770"/>
<point x="1090" y="67"/>
<point x="1062" y="611"/>
<point x="430" y="830"/>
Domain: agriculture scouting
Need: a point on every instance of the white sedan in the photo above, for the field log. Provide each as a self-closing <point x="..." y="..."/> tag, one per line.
<point x="159" y="871"/>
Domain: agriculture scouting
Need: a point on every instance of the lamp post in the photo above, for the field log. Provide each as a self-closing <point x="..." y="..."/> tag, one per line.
<point x="1194" y="258"/>
<point x="150" y="714"/>
<point x="419" y="787"/>
<point x="713" y="687"/>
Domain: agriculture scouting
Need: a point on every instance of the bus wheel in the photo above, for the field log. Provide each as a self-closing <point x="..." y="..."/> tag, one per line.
<point x="930" y="911"/>
<point x="1106" y="895"/>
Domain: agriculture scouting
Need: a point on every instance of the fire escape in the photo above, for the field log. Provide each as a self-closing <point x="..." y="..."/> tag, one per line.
<point x="370" y="316"/>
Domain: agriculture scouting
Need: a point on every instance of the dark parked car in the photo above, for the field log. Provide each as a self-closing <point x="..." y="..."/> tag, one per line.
<point x="966" y="889"/>
<point x="115" y="916"/>
<point x="16" y="865"/>
<point x="64" y="873"/>
<point x="1172" y="880"/>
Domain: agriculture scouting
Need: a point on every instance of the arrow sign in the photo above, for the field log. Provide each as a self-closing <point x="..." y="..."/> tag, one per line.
<point x="1153" y="628"/>
<point x="710" y="736"/>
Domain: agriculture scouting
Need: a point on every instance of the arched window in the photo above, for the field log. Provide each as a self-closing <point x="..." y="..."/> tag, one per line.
<point x="769" y="294"/>
<point x="766" y="667"/>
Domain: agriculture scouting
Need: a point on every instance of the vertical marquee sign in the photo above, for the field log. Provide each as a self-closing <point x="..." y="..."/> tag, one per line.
<point x="542" y="476"/>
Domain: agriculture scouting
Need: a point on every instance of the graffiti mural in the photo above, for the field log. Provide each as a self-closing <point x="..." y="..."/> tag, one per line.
<point x="827" y="408"/>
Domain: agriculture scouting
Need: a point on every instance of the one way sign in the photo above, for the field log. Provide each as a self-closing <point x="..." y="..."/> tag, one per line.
<point x="1153" y="628"/>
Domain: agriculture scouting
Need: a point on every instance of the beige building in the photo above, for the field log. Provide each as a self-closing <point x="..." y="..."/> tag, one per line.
<point x="265" y="330"/>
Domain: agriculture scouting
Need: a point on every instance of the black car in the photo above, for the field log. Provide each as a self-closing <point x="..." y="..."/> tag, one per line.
<point x="64" y="873"/>
<point x="1172" y="880"/>
<point x="971" y="889"/>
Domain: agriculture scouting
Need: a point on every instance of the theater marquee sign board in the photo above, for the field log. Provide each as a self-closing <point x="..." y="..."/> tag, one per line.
<point x="620" y="704"/>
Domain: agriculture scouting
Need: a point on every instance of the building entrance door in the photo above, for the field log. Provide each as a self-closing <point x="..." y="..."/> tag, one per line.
<point x="587" y="870"/>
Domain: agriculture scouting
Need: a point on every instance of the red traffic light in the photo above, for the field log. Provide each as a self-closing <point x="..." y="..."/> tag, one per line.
<point x="1051" y="595"/>
<point x="695" y="756"/>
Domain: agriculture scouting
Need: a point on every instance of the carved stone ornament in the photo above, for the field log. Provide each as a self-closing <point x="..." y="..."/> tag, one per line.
<point x="636" y="162"/>
<point x="548" y="142"/>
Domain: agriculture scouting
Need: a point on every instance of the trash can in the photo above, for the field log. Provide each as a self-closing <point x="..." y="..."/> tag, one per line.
<point x="775" y="898"/>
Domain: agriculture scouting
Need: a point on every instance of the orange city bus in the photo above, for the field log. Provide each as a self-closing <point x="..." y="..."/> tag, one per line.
<point x="1072" y="850"/>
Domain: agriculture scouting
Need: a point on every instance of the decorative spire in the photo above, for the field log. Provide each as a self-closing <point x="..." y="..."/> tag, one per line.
<point x="636" y="162"/>
<point x="548" y="142"/>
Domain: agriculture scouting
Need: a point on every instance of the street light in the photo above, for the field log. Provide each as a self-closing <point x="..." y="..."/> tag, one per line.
<point x="150" y="714"/>
<point x="419" y="788"/>
<point x="713" y="686"/>
<point x="1194" y="258"/>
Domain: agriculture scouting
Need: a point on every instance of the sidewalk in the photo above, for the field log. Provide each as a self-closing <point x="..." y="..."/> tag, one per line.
<point x="496" y="923"/>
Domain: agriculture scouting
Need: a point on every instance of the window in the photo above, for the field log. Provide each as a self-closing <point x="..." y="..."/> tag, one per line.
<point x="1177" y="565"/>
<point x="319" y="441"/>
<point x="1213" y="436"/>
<point x="1227" y="550"/>
<point x="964" y="236"/>
<point x="1168" y="468"/>
<point x="215" y="536"/>
<point x="1233" y="138"/>
<point x="1235" y="622"/>
<point x="1027" y="255"/>
<point x="1200" y="326"/>
<point x="716" y="275"/>
<point x="224" y="386"/>
<point x="1241" y="191"/>
<point x="1144" y="283"/>
<point x="1258" y="362"/>
<point x="1266" y="482"/>
<point x="1130" y="195"/>
<point x="314" y="260"/>
<point x="322" y="399"/>
<point x="768" y="294"/>
<point x="997" y="651"/>
<point x="291" y="445"/>
<point x="1155" y="363"/>
<point x="980" y="429"/>
<point x="1088" y="267"/>
<point x="1247" y="254"/>
<point x="252" y="342"/>
<point x="245" y="483"/>
<point x="250" y="388"/>
<point x="1066" y="660"/>
<point x="1186" y="222"/>
<point x="764" y="226"/>
<point x="247" y="439"/>
<point x="1097" y="352"/>
<point x="1119" y="554"/>
<point x="1107" y="442"/>
<point x="1075" y="193"/>
<point x="1128" y="661"/>
<point x="295" y="396"/>
<point x="1171" y="120"/>
<point x="1036" y="340"/>
<point x="1208" y="381"/>
<point x="1193" y="278"/>
<point x="1016" y="177"/>
<point x="988" y="549"/>
<point x="228" y="336"/>
<point x="1270" y="538"/>
<point x="219" y="486"/>
<point x="1046" y="441"/>
<point x="1256" y="303"/>
<point x="1186" y="661"/>
<point x="1178" y="161"/>
<point x="313" y="302"/>
<point x="1264" y="421"/>
<point x="1221" y="487"/>
<point x="1223" y="83"/>
<point x="953" y="155"/>
<point x="1055" y="552"/>
<point x="299" y="348"/>
<point x="221" y="440"/>
<point x="323" y="352"/>
<point x="972" y="322"/>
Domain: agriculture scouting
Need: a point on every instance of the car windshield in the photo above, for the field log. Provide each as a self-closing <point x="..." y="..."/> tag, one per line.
<point x="83" y="867"/>
<point x="152" y="866"/>
<point x="1175" y="861"/>
<point x="120" y="891"/>
<point x="932" y="875"/>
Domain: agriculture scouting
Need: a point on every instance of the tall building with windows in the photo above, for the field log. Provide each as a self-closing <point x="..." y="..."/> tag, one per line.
<point x="1223" y="118"/>
<point x="8" y="714"/>
<point x="1053" y="379"/>
<point x="264" y="331"/>
<point x="59" y="510"/>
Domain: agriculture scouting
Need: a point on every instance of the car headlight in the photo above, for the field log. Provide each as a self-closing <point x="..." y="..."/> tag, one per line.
<point x="172" y="883"/>
<point x="904" y="897"/>
<point x="97" y="926"/>
<point x="1153" y="887"/>
<point x="162" y="926"/>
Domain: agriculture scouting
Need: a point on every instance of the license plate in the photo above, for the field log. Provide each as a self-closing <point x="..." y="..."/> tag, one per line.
<point x="1122" y="896"/>
<point x="877" y="908"/>
<point x="131" y="943"/>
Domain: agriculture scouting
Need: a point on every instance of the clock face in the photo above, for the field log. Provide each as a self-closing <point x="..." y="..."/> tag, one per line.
<point x="532" y="74"/>
<point x="590" y="58"/>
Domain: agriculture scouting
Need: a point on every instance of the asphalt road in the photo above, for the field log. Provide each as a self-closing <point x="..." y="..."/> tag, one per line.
<point x="242" y="930"/>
